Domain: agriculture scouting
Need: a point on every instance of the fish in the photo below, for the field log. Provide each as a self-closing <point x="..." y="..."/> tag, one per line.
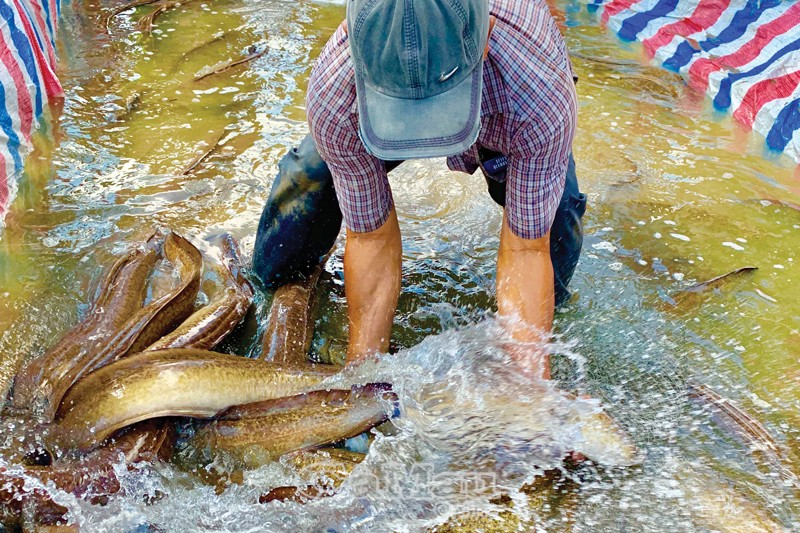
<point x="718" y="504"/>
<point x="744" y="425"/>
<point x="174" y="382"/>
<point x="207" y="326"/>
<point x="133" y="5"/>
<point x="255" y="434"/>
<point x="547" y="424"/>
<point x="197" y="160"/>
<point x="691" y="295"/>
<point x="291" y="321"/>
<point x="747" y="428"/>
<point x="252" y="53"/>
<point x="146" y="23"/>
<point x="146" y="326"/>
<point x="92" y="477"/>
<point x="121" y="294"/>
<point x="324" y="469"/>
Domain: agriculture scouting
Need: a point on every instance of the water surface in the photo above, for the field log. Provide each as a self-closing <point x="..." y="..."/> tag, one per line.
<point x="677" y="194"/>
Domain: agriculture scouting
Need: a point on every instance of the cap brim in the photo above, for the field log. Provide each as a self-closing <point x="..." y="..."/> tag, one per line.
<point x="404" y="128"/>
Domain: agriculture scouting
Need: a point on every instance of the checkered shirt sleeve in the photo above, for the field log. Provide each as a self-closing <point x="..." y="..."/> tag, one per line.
<point x="360" y="180"/>
<point x="528" y="112"/>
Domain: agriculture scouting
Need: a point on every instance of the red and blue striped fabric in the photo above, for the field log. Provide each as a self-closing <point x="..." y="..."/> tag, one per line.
<point x="745" y="55"/>
<point x="27" y="82"/>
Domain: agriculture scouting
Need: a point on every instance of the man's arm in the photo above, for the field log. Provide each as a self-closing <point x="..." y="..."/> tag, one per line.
<point x="372" y="273"/>
<point x="525" y="299"/>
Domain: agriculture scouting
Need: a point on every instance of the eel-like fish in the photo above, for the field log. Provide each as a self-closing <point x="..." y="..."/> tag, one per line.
<point x="254" y="434"/>
<point x="176" y="382"/>
<point x="693" y="295"/>
<point x="750" y="430"/>
<point x="93" y="477"/>
<point x="211" y="323"/>
<point x="548" y="424"/>
<point x="121" y="295"/>
<point x="745" y="427"/>
<point x="291" y="322"/>
<point x="148" y="325"/>
<point x="323" y="469"/>
<point x="24" y="489"/>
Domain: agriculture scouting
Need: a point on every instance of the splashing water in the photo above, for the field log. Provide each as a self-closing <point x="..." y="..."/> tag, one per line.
<point x="669" y="184"/>
<point x="470" y="429"/>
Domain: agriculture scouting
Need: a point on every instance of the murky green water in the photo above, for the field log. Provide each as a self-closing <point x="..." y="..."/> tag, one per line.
<point x="678" y="194"/>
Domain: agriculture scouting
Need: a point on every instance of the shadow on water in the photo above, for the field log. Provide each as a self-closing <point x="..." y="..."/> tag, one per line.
<point x="678" y="195"/>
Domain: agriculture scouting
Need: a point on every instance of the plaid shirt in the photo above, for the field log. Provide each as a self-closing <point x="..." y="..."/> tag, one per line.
<point x="528" y="112"/>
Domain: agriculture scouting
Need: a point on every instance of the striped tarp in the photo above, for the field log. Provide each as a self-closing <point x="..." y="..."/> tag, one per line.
<point x="27" y="82"/>
<point x="744" y="54"/>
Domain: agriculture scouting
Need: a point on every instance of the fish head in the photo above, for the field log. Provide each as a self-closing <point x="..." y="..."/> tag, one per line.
<point x="380" y="391"/>
<point x="602" y="439"/>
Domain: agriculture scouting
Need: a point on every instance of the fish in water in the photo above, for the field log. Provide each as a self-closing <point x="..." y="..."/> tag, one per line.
<point x="546" y="424"/>
<point x="23" y="489"/>
<point x="175" y="382"/>
<point x="252" y="435"/>
<point x="148" y="325"/>
<point x="121" y="295"/>
<point x="93" y="476"/>
<point x="290" y="329"/>
<point x="323" y="469"/>
<point x="207" y="326"/>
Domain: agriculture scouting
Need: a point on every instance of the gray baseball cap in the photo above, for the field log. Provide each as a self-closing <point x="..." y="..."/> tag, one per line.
<point x="419" y="74"/>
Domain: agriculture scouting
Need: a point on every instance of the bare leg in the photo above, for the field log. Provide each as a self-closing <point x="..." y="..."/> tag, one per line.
<point x="372" y="272"/>
<point x="525" y="298"/>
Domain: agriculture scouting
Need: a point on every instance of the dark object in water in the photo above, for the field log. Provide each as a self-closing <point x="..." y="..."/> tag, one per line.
<point x="93" y="477"/>
<point x="122" y="9"/>
<point x="301" y="218"/>
<point x="682" y="296"/>
<point x="194" y="163"/>
<point x="291" y="322"/>
<point x="747" y="428"/>
<point x="252" y="53"/>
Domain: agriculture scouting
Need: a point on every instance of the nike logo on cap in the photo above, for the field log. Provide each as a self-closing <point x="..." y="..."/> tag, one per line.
<point x="447" y="76"/>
